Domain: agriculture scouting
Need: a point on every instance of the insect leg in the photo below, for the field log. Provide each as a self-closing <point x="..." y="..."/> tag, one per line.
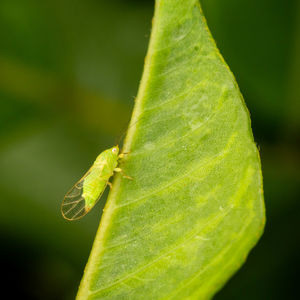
<point x="109" y="184"/>
<point x="126" y="176"/>
<point x="119" y="170"/>
<point x="122" y="155"/>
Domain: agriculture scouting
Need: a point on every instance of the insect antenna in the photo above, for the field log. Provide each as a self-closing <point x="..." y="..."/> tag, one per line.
<point x="125" y="130"/>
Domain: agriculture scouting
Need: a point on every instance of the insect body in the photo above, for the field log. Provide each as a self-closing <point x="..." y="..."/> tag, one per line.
<point x="87" y="191"/>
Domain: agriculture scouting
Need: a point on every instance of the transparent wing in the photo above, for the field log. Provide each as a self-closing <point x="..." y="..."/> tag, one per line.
<point x="73" y="206"/>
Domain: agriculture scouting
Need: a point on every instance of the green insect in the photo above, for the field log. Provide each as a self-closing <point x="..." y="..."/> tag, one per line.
<point x="87" y="191"/>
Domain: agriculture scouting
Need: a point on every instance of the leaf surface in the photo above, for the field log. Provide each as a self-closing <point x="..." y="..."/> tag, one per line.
<point x="195" y="208"/>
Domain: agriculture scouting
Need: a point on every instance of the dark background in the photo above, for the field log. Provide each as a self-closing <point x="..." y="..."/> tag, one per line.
<point x="69" y="72"/>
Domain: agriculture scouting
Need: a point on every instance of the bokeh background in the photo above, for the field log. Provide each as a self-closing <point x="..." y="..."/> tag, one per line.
<point x="69" y="72"/>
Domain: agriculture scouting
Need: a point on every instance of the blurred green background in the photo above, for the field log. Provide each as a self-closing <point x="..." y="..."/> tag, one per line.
<point x="69" y="72"/>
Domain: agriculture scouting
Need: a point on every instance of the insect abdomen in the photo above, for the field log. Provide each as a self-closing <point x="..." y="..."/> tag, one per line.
<point x="94" y="185"/>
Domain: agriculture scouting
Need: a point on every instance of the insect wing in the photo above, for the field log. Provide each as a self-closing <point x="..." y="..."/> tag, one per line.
<point x="73" y="206"/>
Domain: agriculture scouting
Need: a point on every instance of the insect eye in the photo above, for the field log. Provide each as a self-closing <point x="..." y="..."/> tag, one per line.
<point x="114" y="150"/>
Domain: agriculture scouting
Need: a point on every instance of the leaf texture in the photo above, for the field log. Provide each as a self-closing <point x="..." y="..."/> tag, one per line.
<point x="195" y="208"/>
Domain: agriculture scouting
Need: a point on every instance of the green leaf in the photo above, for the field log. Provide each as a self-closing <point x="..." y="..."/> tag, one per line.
<point x="195" y="208"/>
